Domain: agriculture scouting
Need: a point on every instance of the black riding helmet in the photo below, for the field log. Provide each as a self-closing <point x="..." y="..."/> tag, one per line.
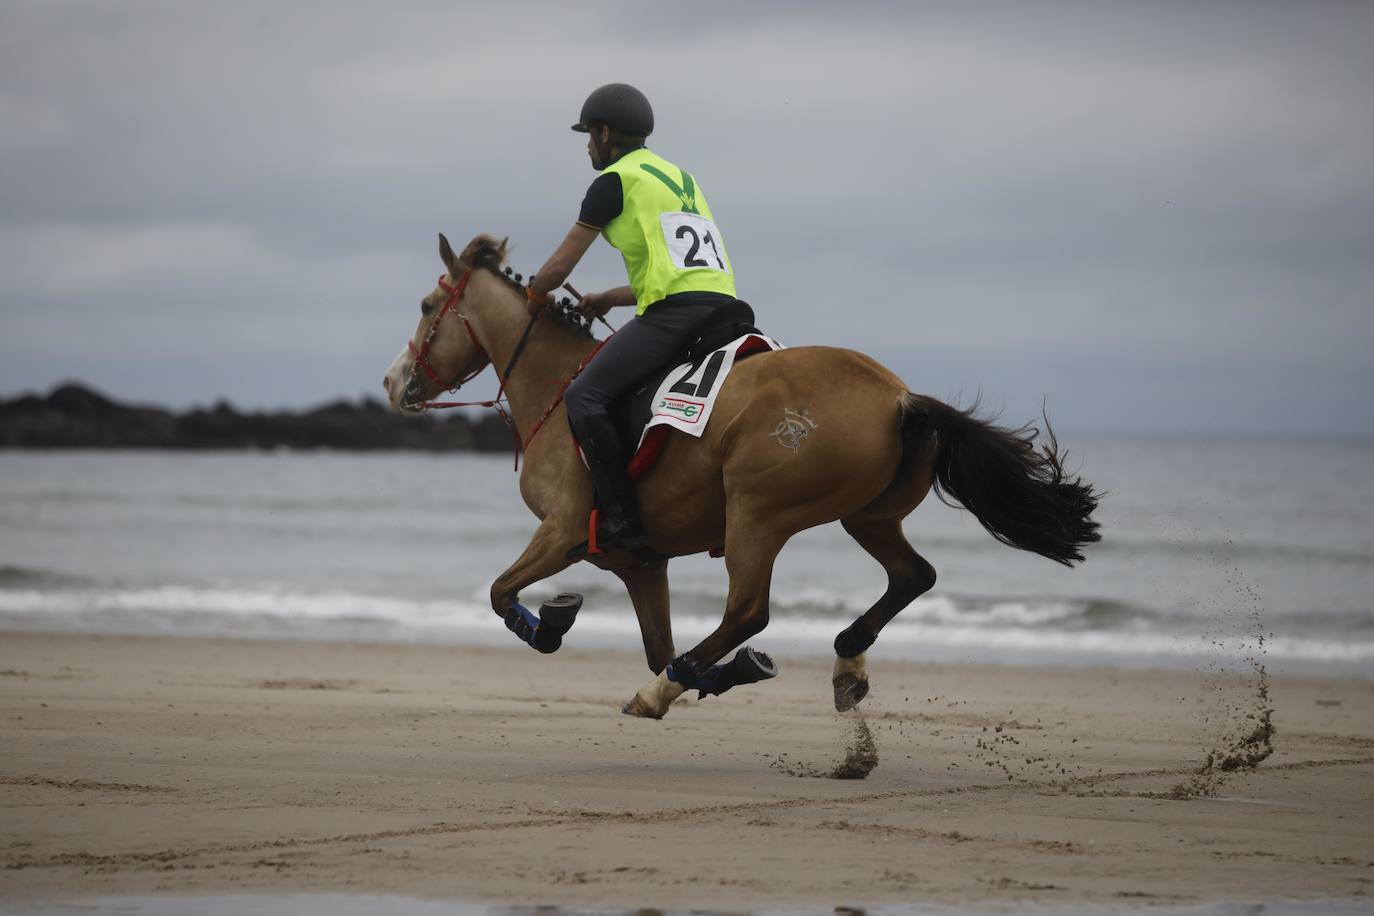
<point x="619" y="106"/>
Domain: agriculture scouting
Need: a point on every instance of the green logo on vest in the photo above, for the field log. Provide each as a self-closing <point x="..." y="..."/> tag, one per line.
<point x="687" y="192"/>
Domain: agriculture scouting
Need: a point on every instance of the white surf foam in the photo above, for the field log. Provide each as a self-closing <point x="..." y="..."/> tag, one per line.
<point x="969" y="627"/>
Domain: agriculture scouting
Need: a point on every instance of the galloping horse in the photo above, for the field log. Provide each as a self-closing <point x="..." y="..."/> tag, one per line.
<point x="860" y="449"/>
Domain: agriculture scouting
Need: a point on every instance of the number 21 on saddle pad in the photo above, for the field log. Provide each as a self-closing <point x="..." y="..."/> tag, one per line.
<point x="687" y="393"/>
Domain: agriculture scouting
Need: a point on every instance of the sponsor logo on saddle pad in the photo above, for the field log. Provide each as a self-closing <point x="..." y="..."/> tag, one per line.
<point x="688" y="410"/>
<point x="688" y="393"/>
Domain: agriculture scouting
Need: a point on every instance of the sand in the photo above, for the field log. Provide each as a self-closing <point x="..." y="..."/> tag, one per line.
<point x="138" y="766"/>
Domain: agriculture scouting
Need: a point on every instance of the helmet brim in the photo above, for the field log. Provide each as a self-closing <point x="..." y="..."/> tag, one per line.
<point x="582" y="128"/>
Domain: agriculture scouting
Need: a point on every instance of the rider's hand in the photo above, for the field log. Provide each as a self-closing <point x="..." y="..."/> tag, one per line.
<point x="594" y="305"/>
<point x="536" y="302"/>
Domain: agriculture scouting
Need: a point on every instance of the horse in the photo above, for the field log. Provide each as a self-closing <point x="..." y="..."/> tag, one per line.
<point x="800" y="437"/>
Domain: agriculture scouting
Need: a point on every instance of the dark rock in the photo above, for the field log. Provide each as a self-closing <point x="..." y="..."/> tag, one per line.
<point x="74" y="416"/>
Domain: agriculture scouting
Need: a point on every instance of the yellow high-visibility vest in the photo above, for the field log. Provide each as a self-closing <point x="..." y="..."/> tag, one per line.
<point x="665" y="232"/>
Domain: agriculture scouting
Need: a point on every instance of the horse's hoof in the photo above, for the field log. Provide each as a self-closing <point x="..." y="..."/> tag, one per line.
<point x="556" y="617"/>
<point x="850" y="680"/>
<point x="749" y="666"/>
<point x="654" y="698"/>
<point x="639" y="709"/>
<point x="560" y="611"/>
<point x="850" y="688"/>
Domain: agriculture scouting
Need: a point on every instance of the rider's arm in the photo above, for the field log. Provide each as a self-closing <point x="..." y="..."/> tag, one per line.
<point x="603" y="203"/>
<point x="561" y="263"/>
<point x="594" y="305"/>
<point x="621" y="295"/>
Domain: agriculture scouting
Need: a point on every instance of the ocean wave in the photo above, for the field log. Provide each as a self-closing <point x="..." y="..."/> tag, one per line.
<point x="817" y="603"/>
<point x="971" y="625"/>
<point x="1131" y="543"/>
<point x="1113" y="543"/>
<point x="272" y="602"/>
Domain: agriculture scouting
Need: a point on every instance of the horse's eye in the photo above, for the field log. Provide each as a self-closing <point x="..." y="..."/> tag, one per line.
<point x="426" y="307"/>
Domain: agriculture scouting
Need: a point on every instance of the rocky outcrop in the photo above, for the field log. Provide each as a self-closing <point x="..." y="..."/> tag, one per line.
<point x="74" y="416"/>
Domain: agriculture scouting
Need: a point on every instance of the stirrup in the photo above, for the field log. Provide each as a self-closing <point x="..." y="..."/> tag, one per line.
<point x="631" y="539"/>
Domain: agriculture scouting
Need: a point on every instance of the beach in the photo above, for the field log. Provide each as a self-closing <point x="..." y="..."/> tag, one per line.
<point x="144" y="765"/>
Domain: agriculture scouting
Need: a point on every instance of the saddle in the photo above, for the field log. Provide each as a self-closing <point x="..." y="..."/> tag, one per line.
<point x="632" y="411"/>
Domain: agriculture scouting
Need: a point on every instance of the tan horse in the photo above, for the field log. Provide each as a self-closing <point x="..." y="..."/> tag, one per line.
<point x="800" y="437"/>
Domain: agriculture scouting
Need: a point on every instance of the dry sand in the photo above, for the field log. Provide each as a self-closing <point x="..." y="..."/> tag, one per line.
<point x="188" y="766"/>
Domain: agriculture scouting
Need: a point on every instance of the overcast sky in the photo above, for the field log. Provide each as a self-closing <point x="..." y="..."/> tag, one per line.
<point x="1158" y="216"/>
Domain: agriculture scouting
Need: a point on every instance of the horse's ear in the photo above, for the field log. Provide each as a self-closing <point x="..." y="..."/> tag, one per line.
<point x="446" y="253"/>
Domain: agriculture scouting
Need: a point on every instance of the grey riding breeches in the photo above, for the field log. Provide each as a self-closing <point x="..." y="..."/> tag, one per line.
<point x="644" y="345"/>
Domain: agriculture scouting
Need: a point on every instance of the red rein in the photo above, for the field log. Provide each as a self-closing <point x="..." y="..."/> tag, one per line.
<point x="421" y="355"/>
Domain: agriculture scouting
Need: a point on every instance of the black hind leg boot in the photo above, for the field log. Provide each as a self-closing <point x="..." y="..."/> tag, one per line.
<point x="619" y="515"/>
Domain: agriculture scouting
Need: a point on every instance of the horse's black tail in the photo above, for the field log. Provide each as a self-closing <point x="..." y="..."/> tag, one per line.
<point x="1020" y="494"/>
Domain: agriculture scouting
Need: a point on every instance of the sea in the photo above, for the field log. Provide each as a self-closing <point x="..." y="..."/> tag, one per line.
<point x="1213" y="554"/>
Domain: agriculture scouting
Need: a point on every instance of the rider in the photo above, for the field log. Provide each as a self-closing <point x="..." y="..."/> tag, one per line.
<point x="656" y="215"/>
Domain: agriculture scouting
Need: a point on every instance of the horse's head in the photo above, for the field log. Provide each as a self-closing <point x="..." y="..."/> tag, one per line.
<point x="444" y="351"/>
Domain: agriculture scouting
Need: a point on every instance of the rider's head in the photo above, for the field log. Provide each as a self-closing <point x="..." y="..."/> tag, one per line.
<point x="615" y="118"/>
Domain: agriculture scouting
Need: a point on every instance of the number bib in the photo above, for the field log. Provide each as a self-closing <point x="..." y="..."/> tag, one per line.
<point x="693" y="241"/>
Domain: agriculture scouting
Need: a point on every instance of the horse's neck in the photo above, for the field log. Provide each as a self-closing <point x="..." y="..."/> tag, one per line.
<point x="549" y="357"/>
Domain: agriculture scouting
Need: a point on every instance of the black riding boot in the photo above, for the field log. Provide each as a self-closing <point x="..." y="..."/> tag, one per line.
<point x="619" y="515"/>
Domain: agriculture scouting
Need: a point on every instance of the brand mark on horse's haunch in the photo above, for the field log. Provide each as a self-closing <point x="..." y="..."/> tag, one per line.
<point x="794" y="428"/>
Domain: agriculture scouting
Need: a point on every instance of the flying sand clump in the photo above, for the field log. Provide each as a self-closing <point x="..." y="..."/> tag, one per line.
<point x="860" y="754"/>
<point x="1249" y="739"/>
<point x="1242" y="753"/>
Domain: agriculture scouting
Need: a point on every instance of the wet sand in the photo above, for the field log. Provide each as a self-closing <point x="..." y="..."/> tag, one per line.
<point x="144" y="766"/>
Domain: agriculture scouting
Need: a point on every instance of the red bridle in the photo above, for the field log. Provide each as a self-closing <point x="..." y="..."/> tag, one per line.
<point x="421" y="353"/>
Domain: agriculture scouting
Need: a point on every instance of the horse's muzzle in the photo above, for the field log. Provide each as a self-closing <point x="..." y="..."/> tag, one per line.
<point x="412" y="396"/>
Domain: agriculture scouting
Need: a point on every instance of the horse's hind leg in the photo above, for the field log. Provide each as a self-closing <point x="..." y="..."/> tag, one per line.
<point x="908" y="576"/>
<point x="648" y="588"/>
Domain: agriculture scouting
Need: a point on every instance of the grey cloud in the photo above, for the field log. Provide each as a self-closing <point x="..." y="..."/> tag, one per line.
<point x="1161" y="217"/>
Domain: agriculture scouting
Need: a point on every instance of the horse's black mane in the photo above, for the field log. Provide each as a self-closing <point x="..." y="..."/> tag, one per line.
<point x="489" y="256"/>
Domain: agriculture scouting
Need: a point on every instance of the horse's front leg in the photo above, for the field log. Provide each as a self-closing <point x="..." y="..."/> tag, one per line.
<point x="749" y="560"/>
<point x="648" y="588"/>
<point x="546" y="555"/>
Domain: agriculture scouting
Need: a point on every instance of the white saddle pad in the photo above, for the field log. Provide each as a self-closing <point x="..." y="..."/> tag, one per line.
<point x="688" y="393"/>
